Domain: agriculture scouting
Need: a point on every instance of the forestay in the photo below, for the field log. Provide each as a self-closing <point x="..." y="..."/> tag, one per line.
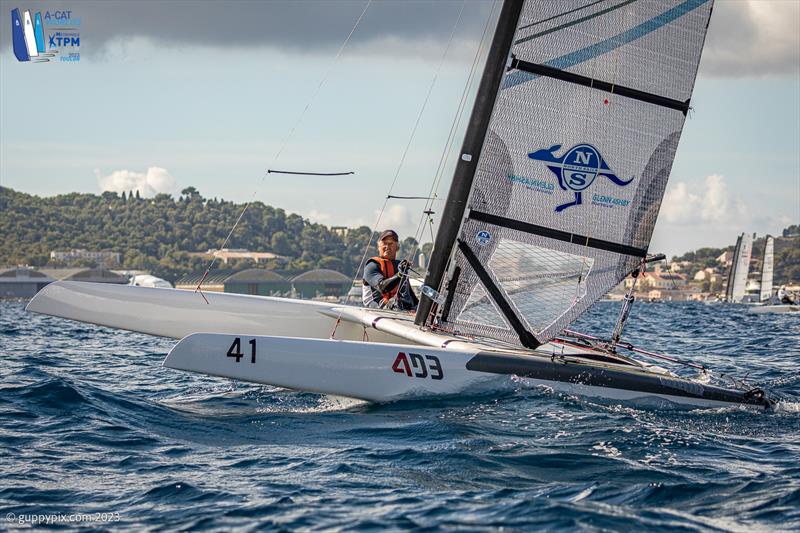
<point x="575" y="162"/>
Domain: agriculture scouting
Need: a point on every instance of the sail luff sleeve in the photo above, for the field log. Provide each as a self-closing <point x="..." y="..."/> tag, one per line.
<point x="575" y="162"/>
<point x="456" y="202"/>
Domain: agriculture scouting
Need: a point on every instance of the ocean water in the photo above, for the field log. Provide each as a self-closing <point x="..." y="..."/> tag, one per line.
<point x="95" y="433"/>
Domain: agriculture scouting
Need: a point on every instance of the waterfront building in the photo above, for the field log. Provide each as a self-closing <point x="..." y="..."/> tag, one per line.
<point x="22" y="282"/>
<point x="726" y="258"/>
<point x="258" y="281"/>
<point x="93" y="275"/>
<point x="214" y="282"/>
<point x="321" y="283"/>
<point x="229" y="254"/>
<point x="78" y="254"/>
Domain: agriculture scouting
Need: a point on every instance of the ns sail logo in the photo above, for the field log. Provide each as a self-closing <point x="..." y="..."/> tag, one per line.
<point x="31" y="42"/>
<point x="577" y="169"/>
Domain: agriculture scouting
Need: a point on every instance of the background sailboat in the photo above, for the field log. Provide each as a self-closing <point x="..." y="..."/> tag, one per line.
<point x="740" y="268"/>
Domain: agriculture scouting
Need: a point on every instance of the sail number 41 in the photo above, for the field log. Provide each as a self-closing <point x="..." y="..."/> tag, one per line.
<point x="236" y="350"/>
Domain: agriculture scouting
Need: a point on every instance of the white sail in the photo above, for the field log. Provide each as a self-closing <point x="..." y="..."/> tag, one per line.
<point x="737" y="280"/>
<point x="767" y="269"/>
<point x="575" y="162"/>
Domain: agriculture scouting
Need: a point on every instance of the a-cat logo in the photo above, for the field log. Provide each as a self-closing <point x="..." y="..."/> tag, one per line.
<point x="421" y="369"/>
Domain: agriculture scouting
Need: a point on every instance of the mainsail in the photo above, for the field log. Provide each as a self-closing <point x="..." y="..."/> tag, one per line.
<point x="737" y="279"/>
<point x="582" y="131"/>
<point x="767" y="266"/>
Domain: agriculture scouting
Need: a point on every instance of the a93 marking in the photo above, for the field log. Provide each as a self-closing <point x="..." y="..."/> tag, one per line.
<point x="236" y="350"/>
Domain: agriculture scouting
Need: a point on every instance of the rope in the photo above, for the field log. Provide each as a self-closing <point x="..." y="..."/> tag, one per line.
<point x="285" y="143"/>
<point x="408" y="144"/>
<point x="427" y="212"/>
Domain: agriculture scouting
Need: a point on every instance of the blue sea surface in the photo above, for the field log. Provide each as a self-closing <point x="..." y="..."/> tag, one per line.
<point x="91" y="423"/>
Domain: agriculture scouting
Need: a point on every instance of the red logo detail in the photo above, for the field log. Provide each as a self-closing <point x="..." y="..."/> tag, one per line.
<point x="401" y="365"/>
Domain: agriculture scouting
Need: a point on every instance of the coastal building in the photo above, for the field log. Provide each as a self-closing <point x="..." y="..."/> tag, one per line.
<point x="258" y="281"/>
<point x="93" y="275"/>
<point x="656" y="279"/>
<point x="22" y="282"/>
<point x="214" y="282"/>
<point x="707" y="274"/>
<point x="78" y="254"/>
<point x="726" y="258"/>
<point x="230" y="254"/>
<point x="321" y="283"/>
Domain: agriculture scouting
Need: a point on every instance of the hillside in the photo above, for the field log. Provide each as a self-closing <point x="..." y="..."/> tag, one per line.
<point x="787" y="256"/>
<point x="158" y="234"/>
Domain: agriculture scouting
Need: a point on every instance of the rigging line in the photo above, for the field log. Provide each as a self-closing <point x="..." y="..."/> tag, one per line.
<point x="270" y="171"/>
<point x="410" y="197"/>
<point x="286" y="142"/>
<point x="448" y="146"/>
<point x="560" y="15"/>
<point x="574" y="22"/>
<point x="410" y="140"/>
<point x="419" y="118"/>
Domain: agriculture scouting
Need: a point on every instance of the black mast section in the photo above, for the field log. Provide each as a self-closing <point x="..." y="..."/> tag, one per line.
<point x="464" y="174"/>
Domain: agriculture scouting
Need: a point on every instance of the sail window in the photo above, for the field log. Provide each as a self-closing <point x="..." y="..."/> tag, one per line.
<point x="481" y="310"/>
<point x="540" y="282"/>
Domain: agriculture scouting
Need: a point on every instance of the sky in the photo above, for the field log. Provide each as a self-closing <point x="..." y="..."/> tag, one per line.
<point x="168" y="95"/>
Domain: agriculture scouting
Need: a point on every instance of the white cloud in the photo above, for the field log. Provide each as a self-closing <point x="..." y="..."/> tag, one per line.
<point x="399" y="218"/>
<point x="707" y="214"/>
<point x="710" y="205"/>
<point x="753" y="38"/>
<point x="155" y="180"/>
<point x="319" y="217"/>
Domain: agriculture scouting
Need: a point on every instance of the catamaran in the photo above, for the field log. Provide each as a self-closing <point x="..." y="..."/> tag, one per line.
<point x="768" y="302"/>
<point x="740" y="268"/>
<point x="554" y="198"/>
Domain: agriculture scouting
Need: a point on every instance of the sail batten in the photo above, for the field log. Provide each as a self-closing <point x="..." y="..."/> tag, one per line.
<point x="574" y="162"/>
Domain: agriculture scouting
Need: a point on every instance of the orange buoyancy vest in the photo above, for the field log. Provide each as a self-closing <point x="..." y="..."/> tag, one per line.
<point x="387" y="269"/>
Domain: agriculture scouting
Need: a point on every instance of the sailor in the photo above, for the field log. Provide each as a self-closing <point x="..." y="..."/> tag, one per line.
<point x="385" y="282"/>
<point x="783" y="296"/>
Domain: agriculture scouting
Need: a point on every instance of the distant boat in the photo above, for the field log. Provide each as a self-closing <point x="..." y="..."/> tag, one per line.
<point x="737" y="279"/>
<point x="148" y="280"/>
<point x="18" y="37"/>
<point x="30" y="36"/>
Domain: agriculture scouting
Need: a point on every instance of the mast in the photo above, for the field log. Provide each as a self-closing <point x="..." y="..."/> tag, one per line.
<point x="464" y="174"/>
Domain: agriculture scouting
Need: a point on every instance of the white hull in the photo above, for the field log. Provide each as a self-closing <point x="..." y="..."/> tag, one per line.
<point x="178" y="313"/>
<point x="379" y="372"/>
<point x="296" y="348"/>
